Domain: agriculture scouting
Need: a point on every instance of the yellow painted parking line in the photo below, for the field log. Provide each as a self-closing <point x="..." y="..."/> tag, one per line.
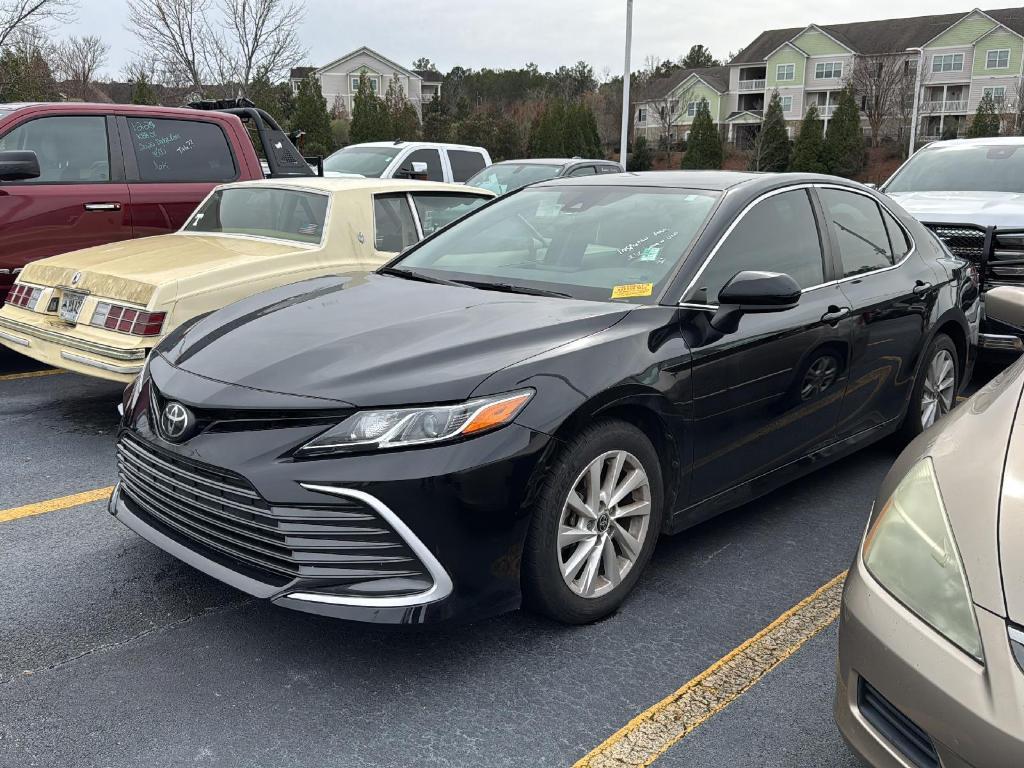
<point x="53" y="505"/>
<point x="31" y="374"/>
<point x="651" y="733"/>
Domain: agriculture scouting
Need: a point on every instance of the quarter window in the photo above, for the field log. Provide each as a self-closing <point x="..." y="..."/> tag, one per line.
<point x="393" y="227"/>
<point x="897" y="237"/>
<point x="785" y="72"/>
<point x="180" y="150"/>
<point x="948" y="62"/>
<point x="429" y="156"/>
<point x="828" y="70"/>
<point x="860" y="231"/>
<point x="778" y="234"/>
<point x="72" y="150"/>
<point x="998" y="59"/>
<point x="465" y="164"/>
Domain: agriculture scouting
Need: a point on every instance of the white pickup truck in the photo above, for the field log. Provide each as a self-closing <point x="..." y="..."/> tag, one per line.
<point x="408" y="159"/>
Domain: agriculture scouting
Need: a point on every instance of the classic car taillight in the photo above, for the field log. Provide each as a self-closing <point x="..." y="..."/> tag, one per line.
<point x="137" y="322"/>
<point x="26" y="296"/>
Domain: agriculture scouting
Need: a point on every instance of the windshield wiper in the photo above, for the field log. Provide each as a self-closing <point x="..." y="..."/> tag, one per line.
<point x="509" y="288"/>
<point x="408" y="274"/>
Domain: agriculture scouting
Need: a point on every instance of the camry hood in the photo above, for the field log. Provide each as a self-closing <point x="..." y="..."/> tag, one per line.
<point x="981" y="208"/>
<point x="375" y="340"/>
<point x="131" y="270"/>
<point x="1011" y="516"/>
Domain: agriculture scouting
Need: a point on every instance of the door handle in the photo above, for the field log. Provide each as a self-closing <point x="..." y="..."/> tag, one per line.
<point x="835" y="314"/>
<point x="103" y="206"/>
<point x="922" y="288"/>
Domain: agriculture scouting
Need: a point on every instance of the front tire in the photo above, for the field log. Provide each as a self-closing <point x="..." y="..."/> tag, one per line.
<point x="936" y="387"/>
<point x="597" y="521"/>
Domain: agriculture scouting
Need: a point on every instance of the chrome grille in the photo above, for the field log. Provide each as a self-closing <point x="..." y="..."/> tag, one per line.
<point x="346" y="543"/>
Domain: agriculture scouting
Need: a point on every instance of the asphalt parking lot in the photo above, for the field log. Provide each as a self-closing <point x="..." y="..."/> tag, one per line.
<point x="112" y="653"/>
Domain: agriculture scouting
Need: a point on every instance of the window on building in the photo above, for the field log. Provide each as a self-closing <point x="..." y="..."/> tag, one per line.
<point x="948" y="62"/>
<point x="785" y="72"/>
<point x="691" y="109"/>
<point x="828" y="70"/>
<point x="998" y="59"/>
<point x="787" y="103"/>
<point x="998" y="93"/>
<point x="374" y="84"/>
<point x="641" y="115"/>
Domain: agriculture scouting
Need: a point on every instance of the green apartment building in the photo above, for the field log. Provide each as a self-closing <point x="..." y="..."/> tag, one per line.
<point x="964" y="56"/>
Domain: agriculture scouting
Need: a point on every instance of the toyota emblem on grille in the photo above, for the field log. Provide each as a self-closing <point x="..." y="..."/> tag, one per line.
<point x="76" y="278"/>
<point x="177" y="422"/>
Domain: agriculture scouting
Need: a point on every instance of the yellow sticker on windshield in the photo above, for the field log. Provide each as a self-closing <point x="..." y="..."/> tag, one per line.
<point x="632" y="290"/>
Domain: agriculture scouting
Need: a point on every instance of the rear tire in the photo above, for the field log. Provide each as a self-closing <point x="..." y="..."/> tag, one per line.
<point x="936" y="388"/>
<point x="597" y="520"/>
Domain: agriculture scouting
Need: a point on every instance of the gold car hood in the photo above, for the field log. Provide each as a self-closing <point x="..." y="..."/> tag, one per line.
<point x="1011" y="518"/>
<point x="132" y="270"/>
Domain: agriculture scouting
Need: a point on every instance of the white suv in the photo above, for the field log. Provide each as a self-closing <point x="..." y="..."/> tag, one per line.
<point x="408" y="159"/>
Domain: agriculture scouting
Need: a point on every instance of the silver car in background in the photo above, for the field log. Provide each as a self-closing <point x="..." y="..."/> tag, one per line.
<point x="931" y="635"/>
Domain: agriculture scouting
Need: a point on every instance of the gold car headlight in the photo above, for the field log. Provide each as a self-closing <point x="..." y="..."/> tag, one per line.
<point x="911" y="552"/>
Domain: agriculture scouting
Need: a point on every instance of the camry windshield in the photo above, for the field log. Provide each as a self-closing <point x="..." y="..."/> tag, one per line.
<point x="508" y="177"/>
<point x="362" y="161"/>
<point x="587" y="242"/>
<point x="282" y="214"/>
<point x="963" y="168"/>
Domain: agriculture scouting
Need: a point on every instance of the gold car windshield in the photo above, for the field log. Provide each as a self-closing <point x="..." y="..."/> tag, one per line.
<point x="271" y="212"/>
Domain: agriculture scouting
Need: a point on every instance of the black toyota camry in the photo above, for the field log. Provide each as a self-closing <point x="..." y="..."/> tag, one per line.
<point x="515" y="409"/>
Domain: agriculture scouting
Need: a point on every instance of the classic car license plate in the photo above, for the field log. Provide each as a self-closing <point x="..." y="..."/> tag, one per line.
<point x="70" y="306"/>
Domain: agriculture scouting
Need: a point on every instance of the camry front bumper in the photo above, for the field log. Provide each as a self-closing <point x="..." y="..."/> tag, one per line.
<point x="908" y="698"/>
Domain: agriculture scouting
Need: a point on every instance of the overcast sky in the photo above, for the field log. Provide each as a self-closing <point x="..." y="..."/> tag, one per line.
<point x="509" y="33"/>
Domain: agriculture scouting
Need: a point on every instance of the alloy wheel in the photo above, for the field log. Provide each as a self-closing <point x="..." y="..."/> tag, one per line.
<point x="939" y="388"/>
<point x="819" y="377"/>
<point x="604" y="524"/>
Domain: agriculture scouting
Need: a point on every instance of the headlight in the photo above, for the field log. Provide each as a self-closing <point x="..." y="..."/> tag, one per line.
<point x="910" y="551"/>
<point x="399" y="427"/>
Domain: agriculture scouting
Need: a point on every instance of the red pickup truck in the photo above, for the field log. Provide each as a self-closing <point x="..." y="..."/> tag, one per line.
<point x="77" y="175"/>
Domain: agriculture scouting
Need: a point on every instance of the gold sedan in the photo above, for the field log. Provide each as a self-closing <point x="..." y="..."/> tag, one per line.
<point x="99" y="311"/>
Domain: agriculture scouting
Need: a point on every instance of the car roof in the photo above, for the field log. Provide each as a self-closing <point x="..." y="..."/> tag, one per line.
<point x="554" y="161"/>
<point x="94" y="106"/>
<point x="320" y="184"/>
<point x="709" y="180"/>
<point x="1013" y="141"/>
<point x="425" y="144"/>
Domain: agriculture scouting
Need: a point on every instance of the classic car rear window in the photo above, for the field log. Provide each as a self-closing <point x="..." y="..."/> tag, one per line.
<point x="281" y="214"/>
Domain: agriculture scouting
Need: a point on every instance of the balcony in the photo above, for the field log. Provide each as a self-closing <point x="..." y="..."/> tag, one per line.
<point x="823" y="111"/>
<point x="936" y="107"/>
<point x="752" y="85"/>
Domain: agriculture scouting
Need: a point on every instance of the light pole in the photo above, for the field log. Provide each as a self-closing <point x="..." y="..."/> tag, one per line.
<point x="626" y="111"/>
<point x="917" y="98"/>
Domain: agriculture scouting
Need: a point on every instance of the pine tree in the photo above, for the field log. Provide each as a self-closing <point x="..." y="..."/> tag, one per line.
<point x="771" y="147"/>
<point x="311" y="116"/>
<point x="370" y="118"/>
<point x="844" y="138"/>
<point x="986" y="119"/>
<point x="704" y="147"/>
<point x="508" y="140"/>
<point x="641" y="158"/>
<point x="402" y="116"/>
<point x="809" y="148"/>
<point x="143" y="91"/>
<point x="436" y="121"/>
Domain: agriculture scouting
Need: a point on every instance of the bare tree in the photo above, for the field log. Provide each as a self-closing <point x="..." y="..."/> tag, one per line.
<point x="664" y="113"/>
<point x="78" y="59"/>
<point x="175" y="33"/>
<point x="258" y="36"/>
<point x="880" y="83"/>
<point x="19" y="15"/>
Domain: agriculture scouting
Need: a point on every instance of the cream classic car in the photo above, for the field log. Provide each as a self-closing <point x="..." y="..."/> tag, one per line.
<point x="100" y="310"/>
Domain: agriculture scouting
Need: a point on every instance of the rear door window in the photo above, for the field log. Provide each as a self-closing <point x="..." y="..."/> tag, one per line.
<point x="181" y="150"/>
<point x="859" y="229"/>
<point x="429" y="156"/>
<point x="394" y="229"/>
<point x="438" y="210"/>
<point x="465" y="164"/>
<point x="583" y="170"/>
<point x="71" y="149"/>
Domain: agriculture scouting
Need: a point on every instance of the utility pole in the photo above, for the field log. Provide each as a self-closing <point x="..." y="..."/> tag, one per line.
<point x="626" y="111"/>
<point x="917" y="99"/>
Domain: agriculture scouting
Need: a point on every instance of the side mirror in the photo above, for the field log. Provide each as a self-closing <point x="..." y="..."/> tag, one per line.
<point x="419" y="169"/>
<point x="754" y="292"/>
<point x="18" y="165"/>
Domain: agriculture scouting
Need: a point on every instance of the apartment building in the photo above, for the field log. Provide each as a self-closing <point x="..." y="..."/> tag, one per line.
<point x="962" y="57"/>
<point x="339" y="80"/>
